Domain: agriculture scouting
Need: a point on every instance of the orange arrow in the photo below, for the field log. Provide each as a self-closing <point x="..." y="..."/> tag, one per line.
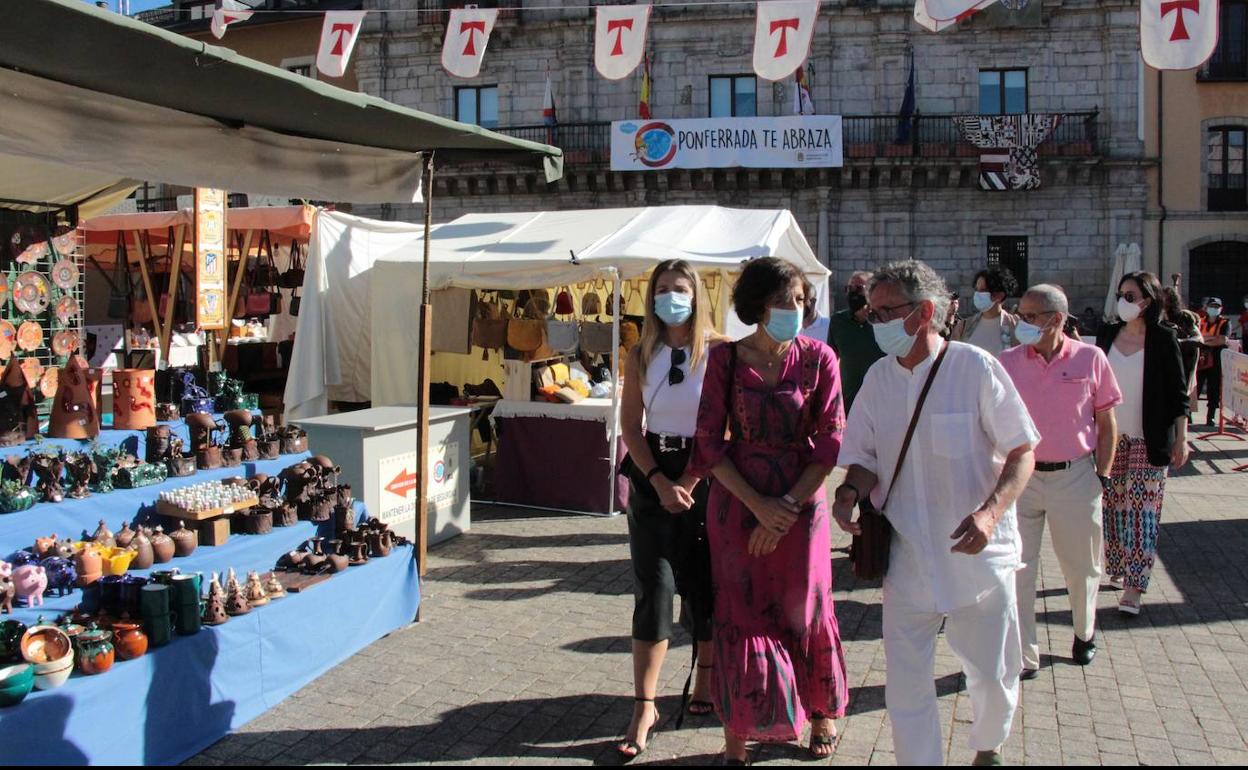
<point x="403" y="484"/>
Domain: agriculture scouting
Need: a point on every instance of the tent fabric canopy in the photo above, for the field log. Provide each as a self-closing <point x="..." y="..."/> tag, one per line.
<point x="94" y="99"/>
<point x="333" y="344"/>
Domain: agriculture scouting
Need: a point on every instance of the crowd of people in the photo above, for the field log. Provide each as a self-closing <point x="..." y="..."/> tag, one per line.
<point x="969" y="435"/>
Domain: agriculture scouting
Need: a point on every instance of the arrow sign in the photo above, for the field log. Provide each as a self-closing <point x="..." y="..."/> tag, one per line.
<point x="403" y="484"/>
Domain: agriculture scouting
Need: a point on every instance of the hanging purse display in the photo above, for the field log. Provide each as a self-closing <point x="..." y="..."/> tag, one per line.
<point x="489" y="328"/>
<point x="526" y="335"/>
<point x="258" y="302"/>
<point x="563" y="302"/>
<point x="563" y="335"/>
<point x="265" y="273"/>
<point x="295" y="302"/>
<point x="596" y="337"/>
<point x="293" y="277"/>
<point x="119" y="286"/>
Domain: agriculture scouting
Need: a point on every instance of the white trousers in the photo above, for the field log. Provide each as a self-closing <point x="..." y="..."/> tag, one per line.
<point x="985" y="638"/>
<point x="1070" y="501"/>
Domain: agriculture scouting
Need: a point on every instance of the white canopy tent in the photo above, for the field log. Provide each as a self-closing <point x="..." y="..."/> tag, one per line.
<point x="334" y="342"/>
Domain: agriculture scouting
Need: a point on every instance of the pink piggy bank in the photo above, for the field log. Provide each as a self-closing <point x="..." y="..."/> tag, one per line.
<point x="31" y="581"/>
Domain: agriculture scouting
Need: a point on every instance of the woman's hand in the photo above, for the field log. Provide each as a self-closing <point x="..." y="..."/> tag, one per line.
<point x="674" y="498"/>
<point x="774" y="514"/>
<point x="843" y="503"/>
<point x="763" y="542"/>
<point x="1179" y="454"/>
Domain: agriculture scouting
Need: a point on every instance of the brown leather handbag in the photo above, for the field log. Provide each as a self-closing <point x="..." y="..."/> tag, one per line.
<point x="868" y="553"/>
<point x="489" y="327"/>
<point x="526" y="334"/>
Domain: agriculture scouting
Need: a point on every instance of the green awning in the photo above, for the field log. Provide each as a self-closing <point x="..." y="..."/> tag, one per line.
<point x="71" y="43"/>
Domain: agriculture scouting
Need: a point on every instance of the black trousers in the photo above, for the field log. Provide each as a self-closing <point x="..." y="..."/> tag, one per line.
<point x="1211" y="380"/>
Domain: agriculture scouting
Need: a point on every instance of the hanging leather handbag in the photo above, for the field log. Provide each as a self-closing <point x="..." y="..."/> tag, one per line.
<point x="596" y="337"/>
<point x="295" y="302"/>
<point x="293" y="277"/>
<point x="563" y="302"/>
<point x="563" y="335"/>
<point x="119" y="285"/>
<point x="265" y="273"/>
<point x="526" y="334"/>
<point x="591" y="304"/>
<point x="868" y="553"/>
<point x="489" y="327"/>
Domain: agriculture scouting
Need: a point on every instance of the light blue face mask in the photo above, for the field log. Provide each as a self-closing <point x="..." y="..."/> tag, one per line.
<point x="982" y="300"/>
<point x="673" y="308"/>
<point x="1028" y="334"/>
<point x="784" y="325"/>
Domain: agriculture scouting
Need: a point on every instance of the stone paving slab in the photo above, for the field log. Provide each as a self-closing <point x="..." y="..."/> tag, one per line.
<point x="521" y="658"/>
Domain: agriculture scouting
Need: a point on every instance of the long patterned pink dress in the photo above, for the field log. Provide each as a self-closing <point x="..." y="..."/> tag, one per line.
<point x="778" y="655"/>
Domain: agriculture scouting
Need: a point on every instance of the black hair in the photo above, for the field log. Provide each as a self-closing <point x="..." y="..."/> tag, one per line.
<point x="1150" y="287"/>
<point x="767" y="280"/>
<point x="999" y="280"/>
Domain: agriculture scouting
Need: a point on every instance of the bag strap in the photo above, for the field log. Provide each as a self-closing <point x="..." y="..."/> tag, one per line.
<point x="730" y="387"/>
<point x="914" y="422"/>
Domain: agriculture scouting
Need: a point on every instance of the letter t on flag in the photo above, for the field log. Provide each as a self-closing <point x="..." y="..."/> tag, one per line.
<point x="338" y="36"/>
<point x="1178" y="34"/>
<point x="225" y="13"/>
<point x="467" y="33"/>
<point x="619" y="39"/>
<point x="782" y="34"/>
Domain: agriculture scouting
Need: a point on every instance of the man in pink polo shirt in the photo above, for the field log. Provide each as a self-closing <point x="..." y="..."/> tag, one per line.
<point x="1070" y="392"/>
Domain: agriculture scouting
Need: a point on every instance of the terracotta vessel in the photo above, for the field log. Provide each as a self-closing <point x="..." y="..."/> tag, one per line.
<point x="103" y="536"/>
<point x="338" y="562"/>
<point x="125" y="535"/>
<point x="358" y="553"/>
<point x="89" y="564"/>
<point x="214" y="613"/>
<point x="134" y="399"/>
<point x="95" y="651"/>
<point x="202" y="427"/>
<point x="236" y="603"/>
<point x="184" y="540"/>
<point x="208" y="459"/>
<point x="129" y="640"/>
<point x="231" y="457"/>
<point x="258" y="521"/>
<point x="379" y="543"/>
<point x="268" y="449"/>
<point x="75" y="410"/>
<point x="181" y="465"/>
<point x="285" y="515"/>
<point x="163" y="547"/>
<point x="144" y="555"/>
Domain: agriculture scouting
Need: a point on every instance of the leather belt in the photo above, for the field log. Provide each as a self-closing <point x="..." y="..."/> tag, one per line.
<point x="1050" y="467"/>
<point x="672" y="443"/>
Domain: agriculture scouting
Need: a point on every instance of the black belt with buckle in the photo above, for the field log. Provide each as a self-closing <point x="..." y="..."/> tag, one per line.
<point x="671" y="443"/>
<point x="1050" y="467"/>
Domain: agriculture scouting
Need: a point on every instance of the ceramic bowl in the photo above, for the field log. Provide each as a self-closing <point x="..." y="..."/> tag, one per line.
<point x="49" y="676"/>
<point x="46" y="644"/>
<point x="16" y="682"/>
<point x="119" y="562"/>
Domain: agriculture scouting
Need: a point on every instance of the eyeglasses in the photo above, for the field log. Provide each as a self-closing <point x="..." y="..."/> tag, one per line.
<point x="874" y="316"/>
<point x="676" y="375"/>
<point x="1129" y="296"/>
<point x="1031" y="318"/>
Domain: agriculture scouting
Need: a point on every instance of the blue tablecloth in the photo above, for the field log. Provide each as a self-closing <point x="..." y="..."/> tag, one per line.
<point x="134" y="441"/>
<point x="176" y="701"/>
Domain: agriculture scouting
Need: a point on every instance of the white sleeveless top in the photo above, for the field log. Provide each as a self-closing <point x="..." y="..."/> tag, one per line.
<point x="1129" y="372"/>
<point x="672" y="409"/>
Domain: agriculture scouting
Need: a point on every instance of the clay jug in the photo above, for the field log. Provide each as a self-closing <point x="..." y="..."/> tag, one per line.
<point x="134" y="399"/>
<point x="75" y="410"/>
<point x="129" y="640"/>
<point x="125" y="535"/>
<point x="184" y="540"/>
<point x="103" y="536"/>
<point x="162" y="546"/>
<point x="144" y="556"/>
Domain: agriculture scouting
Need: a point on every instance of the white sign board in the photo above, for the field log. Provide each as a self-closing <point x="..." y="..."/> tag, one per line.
<point x="796" y="141"/>
<point x="399" y="484"/>
<point x="443" y="475"/>
<point x="1235" y="383"/>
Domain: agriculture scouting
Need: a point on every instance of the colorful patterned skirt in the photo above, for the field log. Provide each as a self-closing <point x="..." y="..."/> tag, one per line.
<point x="1132" y="513"/>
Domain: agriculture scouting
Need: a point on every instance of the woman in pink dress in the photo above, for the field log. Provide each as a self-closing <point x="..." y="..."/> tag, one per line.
<point x="769" y="431"/>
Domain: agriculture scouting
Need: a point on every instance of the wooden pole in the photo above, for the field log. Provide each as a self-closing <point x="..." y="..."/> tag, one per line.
<point x="175" y="275"/>
<point x="139" y="243"/>
<point x="423" y="355"/>
<point x="238" y="285"/>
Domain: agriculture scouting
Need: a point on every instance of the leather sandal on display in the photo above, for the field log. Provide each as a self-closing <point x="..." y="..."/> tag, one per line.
<point x="630" y="750"/>
<point x="701" y="708"/>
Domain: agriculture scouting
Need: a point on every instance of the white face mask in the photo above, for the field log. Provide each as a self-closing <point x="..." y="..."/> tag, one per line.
<point x="1128" y="311"/>
<point x="982" y="300"/>
<point x="891" y="337"/>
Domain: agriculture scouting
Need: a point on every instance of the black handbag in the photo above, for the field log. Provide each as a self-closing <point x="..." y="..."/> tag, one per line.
<point x="119" y="285"/>
<point x="868" y="553"/>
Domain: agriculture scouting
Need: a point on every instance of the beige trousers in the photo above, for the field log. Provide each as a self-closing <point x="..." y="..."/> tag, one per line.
<point x="1070" y="501"/>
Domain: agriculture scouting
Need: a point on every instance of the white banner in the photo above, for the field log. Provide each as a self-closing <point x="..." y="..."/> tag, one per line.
<point x="619" y="39"/>
<point x="1234" y="384"/>
<point x="398" y="485"/>
<point x="338" y="36"/>
<point x="782" y="34"/>
<point x="1178" y="34"/>
<point x="225" y="13"/>
<point x="951" y="12"/>
<point x="808" y="141"/>
<point x="467" y="33"/>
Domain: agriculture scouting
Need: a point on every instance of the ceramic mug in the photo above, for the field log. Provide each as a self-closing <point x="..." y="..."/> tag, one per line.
<point x="187" y="589"/>
<point x="154" y="600"/>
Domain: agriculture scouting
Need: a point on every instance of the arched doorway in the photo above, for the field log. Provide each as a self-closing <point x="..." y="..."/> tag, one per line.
<point x="1218" y="269"/>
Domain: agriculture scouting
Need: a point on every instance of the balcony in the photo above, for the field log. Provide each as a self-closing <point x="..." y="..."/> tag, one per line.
<point x="864" y="137"/>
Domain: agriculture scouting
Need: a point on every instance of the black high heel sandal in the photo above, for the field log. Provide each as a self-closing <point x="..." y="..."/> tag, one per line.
<point x="701" y="708"/>
<point x="630" y="750"/>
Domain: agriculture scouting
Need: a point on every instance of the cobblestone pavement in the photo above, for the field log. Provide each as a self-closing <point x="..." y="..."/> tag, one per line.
<point x="522" y="658"/>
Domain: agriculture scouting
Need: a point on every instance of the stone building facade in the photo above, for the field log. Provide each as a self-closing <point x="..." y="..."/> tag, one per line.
<point x="1078" y="58"/>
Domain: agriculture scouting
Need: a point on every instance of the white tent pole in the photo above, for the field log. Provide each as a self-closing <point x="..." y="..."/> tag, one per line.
<point x="615" y="389"/>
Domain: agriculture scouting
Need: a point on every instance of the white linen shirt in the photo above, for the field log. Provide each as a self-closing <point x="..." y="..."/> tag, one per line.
<point x="973" y="418"/>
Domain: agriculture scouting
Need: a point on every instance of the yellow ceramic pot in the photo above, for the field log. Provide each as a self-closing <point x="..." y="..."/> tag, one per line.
<point x="118" y="561"/>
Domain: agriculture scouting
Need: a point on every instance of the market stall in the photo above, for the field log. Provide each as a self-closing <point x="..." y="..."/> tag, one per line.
<point x="354" y="335"/>
<point x="120" y="101"/>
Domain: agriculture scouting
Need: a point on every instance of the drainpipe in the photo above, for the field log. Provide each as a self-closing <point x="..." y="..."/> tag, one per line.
<point x="1161" y="174"/>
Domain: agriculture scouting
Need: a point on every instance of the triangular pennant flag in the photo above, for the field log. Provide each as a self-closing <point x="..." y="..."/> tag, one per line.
<point x="225" y="13"/>
<point x="782" y="34"/>
<point x="619" y="39"/>
<point x="1178" y="34"/>
<point x="937" y="15"/>
<point x="467" y="33"/>
<point x="338" y="36"/>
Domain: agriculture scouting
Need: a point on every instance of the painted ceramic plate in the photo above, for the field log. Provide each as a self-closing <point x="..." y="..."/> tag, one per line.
<point x="32" y="293"/>
<point x="64" y="343"/>
<point x="4" y="288"/>
<point x="29" y="336"/>
<point x="66" y="242"/>
<point x="49" y="381"/>
<point x="66" y="309"/>
<point x="33" y="371"/>
<point x="6" y="348"/>
<point x="65" y="274"/>
<point x="9" y="333"/>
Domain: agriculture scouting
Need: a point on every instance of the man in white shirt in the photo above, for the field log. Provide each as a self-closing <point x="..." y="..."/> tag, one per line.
<point x="955" y="544"/>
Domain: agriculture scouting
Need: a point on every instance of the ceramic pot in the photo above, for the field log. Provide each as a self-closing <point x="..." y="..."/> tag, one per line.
<point x="184" y="540"/>
<point x="379" y="544"/>
<point x="45" y="643"/>
<point x="231" y="457"/>
<point x="95" y="651"/>
<point x="103" y="536"/>
<point x="53" y="674"/>
<point x="338" y="562"/>
<point x="11" y="633"/>
<point x="110" y="594"/>
<point x="344" y="520"/>
<point x="323" y="509"/>
<point x="130" y="595"/>
<point x="89" y="564"/>
<point x="73" y="630"/>
<point x="163" y="547"/>
<point x="313" y="562"/>
<point x="316" y="545"/>
<point x="125" y="536"/>
<point x="358" y="553"/>
<point x="268" y="449"/>
<point x="164" y="576"/>
<point x="129" y="640"/>
<point x="285" y="515"/>
<point x="75" y="412"/>
<point x="134" y="399"/>
<point x="209" y="458"/>
<point x="144" y="556"/>
<point x="251" y="450"/>
<point x="16" y="682"/>
<point x="258" y="522"/>
<point x="181" y="465"/>
<point x="292" y="559"/>
<point x="158" y="442"/>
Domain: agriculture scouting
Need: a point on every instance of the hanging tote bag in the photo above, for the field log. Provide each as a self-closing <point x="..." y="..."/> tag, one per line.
<point x="596" y="337"/>
<point x="489" y="327"/>
<point x="563" y="335"/>
<point x="293" y="277"/>
<point x="119" y="286"/>
<point x="526" y="335"/>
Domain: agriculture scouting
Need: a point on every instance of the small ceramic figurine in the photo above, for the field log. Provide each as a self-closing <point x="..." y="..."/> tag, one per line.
<point x="255" y="593"/>
<point x="236" y="601"/>
<point x="50" y="469"/>
<point x="214" y="606"/>
<point x="30" y="580"/>
<point x="274" y="588"/>
<point x="81" y="470"/>
<point x="7" y="589"/>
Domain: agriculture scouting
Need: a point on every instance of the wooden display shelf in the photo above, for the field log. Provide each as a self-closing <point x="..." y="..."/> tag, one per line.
<point x="165" y="508"/>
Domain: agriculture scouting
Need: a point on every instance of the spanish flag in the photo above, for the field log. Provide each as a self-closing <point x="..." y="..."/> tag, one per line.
<point x="643" y="108"/>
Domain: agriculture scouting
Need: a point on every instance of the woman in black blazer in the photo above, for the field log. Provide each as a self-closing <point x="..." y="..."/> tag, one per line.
<point x="1152" y="432"/>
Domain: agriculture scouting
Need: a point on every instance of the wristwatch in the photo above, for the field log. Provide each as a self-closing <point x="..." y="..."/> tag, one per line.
<point x="789" y="499"/>
<point x="1103" y="479"/>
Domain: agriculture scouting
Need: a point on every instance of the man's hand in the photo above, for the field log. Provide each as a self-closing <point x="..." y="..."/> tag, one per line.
<point x="843" y="510"/>
<point x="974" y="532"/>
<point x="763" y="542"/>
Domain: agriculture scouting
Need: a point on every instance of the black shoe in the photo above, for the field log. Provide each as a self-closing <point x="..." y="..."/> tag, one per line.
<point x="1083" y="652"/>
<point x="1029" y="674"/>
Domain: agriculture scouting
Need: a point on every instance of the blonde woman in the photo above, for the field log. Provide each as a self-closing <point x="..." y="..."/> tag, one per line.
<point x="667" y="508"/>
